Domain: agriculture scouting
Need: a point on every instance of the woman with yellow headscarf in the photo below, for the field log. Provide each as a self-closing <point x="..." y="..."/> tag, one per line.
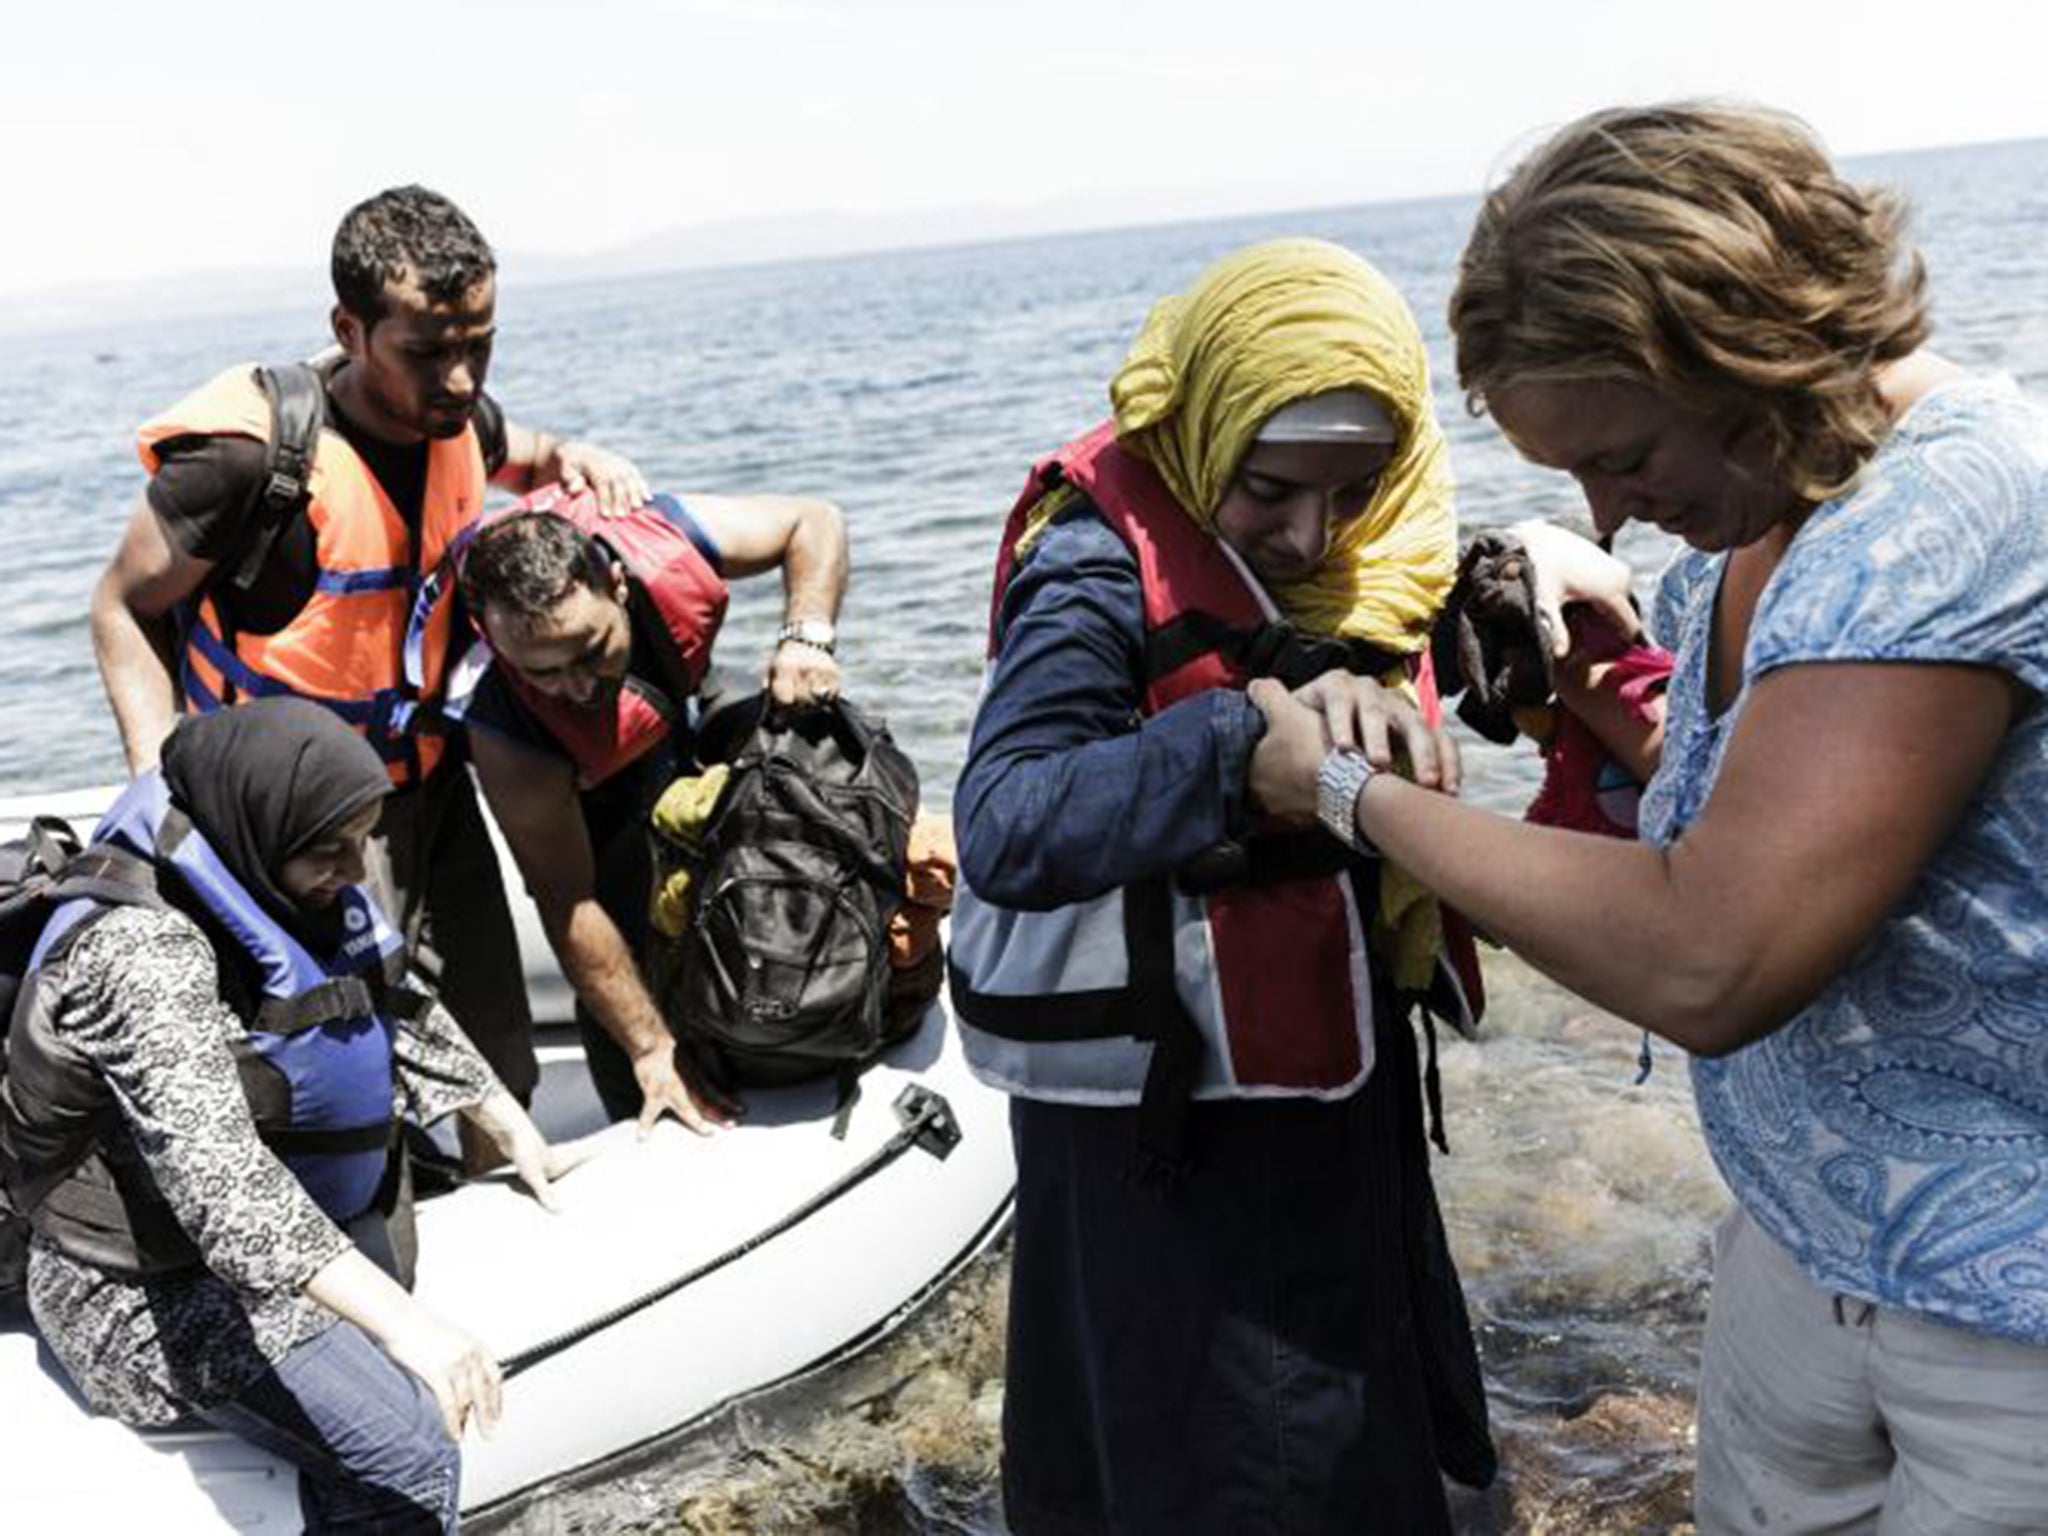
<point x="1231" y="1302"/>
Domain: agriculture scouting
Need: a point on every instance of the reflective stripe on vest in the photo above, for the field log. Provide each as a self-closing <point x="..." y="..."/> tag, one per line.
<point x="1275" y="977"/>
<point x="316" y="1027"/>
<point x="347" y="648"/>
<point x="667" y="571"/>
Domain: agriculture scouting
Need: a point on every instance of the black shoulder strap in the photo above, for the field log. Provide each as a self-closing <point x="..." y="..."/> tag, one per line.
<point x="40" y="853"/>
<point x="667" y="675"/>
<point x="1272" y="649"/>
<point x="298" y="410"/>
<point x="488" y="417"/>
<point x="108" y="877"/>
<point x="111" y="876"/>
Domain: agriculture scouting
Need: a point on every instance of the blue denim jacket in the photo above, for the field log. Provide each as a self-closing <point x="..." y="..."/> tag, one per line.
<point x="1069" y="791"/>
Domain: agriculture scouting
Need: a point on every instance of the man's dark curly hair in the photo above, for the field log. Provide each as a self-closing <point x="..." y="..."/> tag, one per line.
<point x="406" y="232"/>
<point x="527" y="563"/>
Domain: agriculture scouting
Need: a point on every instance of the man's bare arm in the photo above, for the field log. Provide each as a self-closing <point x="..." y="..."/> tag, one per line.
<point x="132" y="632"/>
<point x="533" y="797"/>
<point x="806" y="538"/>
<point x="534" y="458"/>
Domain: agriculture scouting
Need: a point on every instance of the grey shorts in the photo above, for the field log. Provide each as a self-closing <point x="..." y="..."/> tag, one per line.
<point x="1827" y="1414"/>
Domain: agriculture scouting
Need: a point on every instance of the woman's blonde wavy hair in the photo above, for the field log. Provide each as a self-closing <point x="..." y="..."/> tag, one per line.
<point x="1710" y="252"/>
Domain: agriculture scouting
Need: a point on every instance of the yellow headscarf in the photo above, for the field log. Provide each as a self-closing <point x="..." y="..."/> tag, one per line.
<point x="1262" y="328"/>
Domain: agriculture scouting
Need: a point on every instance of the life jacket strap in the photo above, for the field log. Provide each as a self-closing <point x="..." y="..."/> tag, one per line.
<point x="1263" y="860"/>
<point x="1273" y="649"/>
<point x="387" y="718"/>
<point x="671" y="681"/>
<point x="1147" y="1007"/>
<point x="91" y="1206"/>
<point x="341" y="997"/>
<point x="1101" y="1014"/>
<point x="288" y="1141"/>
<point x="1161" y="1154"/>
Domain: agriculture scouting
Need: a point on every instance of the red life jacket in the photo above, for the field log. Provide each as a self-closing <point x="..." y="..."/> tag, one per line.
<point x="679" y="587"/>
<point x="1272" y="970"/>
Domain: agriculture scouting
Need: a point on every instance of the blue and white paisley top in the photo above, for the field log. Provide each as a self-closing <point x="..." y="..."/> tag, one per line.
<point x="1894" y="1136"/>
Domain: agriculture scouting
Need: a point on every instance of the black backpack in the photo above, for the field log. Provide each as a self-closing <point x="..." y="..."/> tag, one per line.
<point x="39" y="871"/>
<point x="782" y="972"/>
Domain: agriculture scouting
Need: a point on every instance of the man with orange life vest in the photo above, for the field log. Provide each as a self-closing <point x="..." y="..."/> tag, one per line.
<point x="1177" y="976"/>
<point x="219" y="594"/>
<point x="601" y="632"/>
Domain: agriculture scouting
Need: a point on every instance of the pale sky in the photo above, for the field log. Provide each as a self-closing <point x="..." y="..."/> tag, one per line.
<point x="140" y="140"/>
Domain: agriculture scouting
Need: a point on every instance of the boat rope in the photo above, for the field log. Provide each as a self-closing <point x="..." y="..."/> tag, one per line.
<point x="927" y="1121"/>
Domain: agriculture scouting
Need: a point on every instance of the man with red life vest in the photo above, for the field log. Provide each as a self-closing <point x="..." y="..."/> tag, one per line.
<point x="225" y="589"/>
<point x="1231" y="1302"/>
<point x="601" y="630"/>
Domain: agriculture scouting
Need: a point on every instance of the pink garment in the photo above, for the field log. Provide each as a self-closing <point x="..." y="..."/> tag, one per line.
<point x="1584" y="789"/>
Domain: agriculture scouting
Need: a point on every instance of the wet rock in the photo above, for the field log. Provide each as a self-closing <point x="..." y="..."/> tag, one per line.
<point x="1621" y="1468"/>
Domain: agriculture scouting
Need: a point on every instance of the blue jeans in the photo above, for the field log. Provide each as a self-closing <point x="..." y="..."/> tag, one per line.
<point x="374" y="1458"/>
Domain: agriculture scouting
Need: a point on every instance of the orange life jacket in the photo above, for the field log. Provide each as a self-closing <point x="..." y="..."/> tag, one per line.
<point x="670" y="582"/>
<point x="371" y="606"/>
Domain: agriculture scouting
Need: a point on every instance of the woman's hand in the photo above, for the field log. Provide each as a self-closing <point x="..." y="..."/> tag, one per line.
<point x="1284" y="764"/>
<point x="1570" y="570"/>
<point x="1360" y="715"/>
<point x="512" y="1131"/>
<point x="464" y="1379"/>
<point x="1339" y="710"/>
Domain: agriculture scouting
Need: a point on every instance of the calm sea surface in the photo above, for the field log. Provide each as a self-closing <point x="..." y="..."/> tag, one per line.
<point x="914" y="388"/>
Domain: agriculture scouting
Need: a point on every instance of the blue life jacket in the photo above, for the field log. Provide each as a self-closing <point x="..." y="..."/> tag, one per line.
<point x="316" y="1063"/>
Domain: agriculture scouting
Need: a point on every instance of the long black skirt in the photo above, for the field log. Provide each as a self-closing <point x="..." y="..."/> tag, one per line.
<point x="1274" y="1342"/>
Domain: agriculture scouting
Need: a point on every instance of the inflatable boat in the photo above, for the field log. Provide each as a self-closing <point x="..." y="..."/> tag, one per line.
<point x="681" y="1274"/>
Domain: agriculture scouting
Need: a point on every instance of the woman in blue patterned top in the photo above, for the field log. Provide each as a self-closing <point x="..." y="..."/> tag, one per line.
<point x="1840" y="902"/>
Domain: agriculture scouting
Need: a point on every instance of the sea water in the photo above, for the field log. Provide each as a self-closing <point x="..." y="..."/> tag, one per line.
<point x="914" y="388"/>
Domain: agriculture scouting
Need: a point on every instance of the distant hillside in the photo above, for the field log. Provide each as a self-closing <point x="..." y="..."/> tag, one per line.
<point x="739" y="242"/>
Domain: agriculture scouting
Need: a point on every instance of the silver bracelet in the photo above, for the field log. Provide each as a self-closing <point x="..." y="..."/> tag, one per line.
<point x="1339" y="782"/>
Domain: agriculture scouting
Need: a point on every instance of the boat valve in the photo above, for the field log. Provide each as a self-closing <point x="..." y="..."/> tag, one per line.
<point x="928" y="1119"/>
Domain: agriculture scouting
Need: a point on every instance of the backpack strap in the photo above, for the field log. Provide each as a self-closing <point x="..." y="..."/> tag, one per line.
<point x="298" y="409"/>
<point x="488" y="417"/>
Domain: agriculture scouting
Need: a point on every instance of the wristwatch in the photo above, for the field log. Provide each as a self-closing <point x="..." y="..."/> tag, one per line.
<point x="816" y="633"/>
<point x="1339" y="782"/>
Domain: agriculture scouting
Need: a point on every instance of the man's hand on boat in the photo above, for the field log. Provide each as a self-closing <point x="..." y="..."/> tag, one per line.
<point x="537" y="1161"/>
<point x="663" y="1088"/>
